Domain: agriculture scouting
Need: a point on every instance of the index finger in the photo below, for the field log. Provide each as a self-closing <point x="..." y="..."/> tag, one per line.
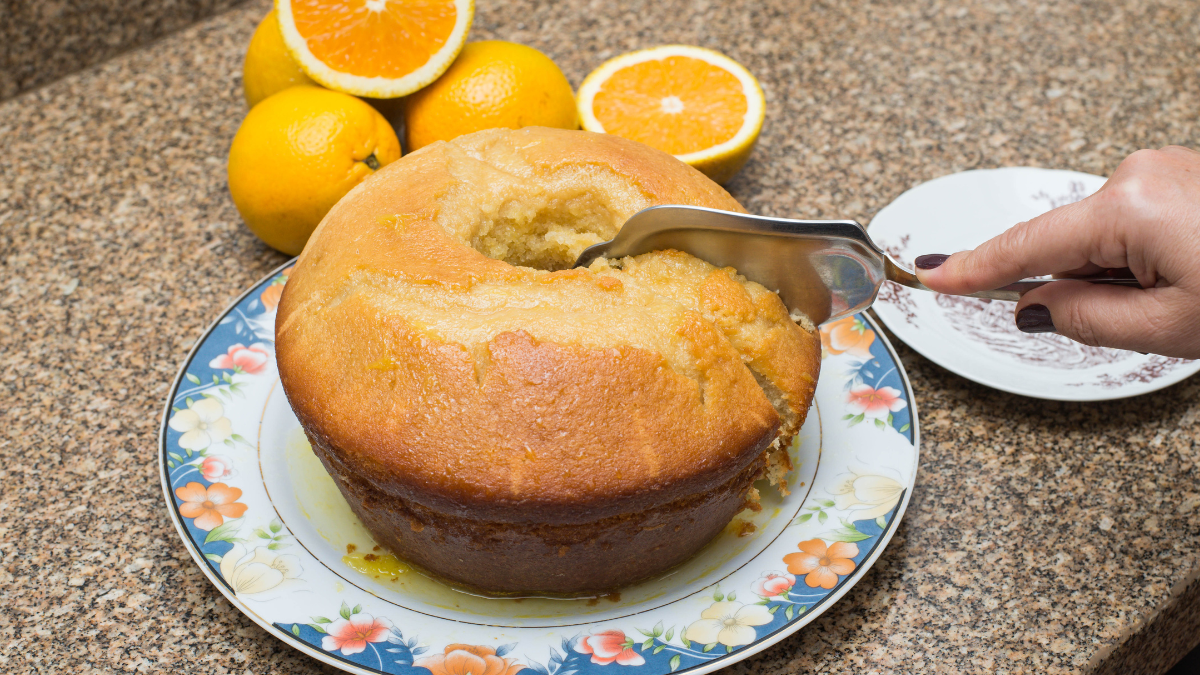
<point x="1059" y="240"/>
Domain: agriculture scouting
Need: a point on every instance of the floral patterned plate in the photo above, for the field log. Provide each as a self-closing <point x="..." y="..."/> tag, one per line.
<point x="269" y="528"/>
<point x="978" y="339"/>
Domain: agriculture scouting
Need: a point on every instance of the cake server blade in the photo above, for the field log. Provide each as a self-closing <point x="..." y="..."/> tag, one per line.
<point x="824" y="269"/>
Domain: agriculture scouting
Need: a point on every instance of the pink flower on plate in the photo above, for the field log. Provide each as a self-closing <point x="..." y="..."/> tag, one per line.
<point x="250" y="359"/>
<point x="216" y="467"/>
<point x="352" y="635"/>
<point x="609" y="646"/>
<point x="772" y="584"/>
<point x="867" y="400"/>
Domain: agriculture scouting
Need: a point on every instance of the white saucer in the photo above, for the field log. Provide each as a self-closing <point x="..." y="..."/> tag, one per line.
<point x="978" y="339"/>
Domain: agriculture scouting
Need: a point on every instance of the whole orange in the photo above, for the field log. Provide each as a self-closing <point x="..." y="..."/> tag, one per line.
<point x="297" y="153"/>
<point x="491" y="84"/>
<point x="269" y="68"/>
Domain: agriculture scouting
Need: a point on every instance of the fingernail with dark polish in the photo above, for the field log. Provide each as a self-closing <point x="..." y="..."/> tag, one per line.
<point x="1035" y="319"/>
<point x="931" y="261"/>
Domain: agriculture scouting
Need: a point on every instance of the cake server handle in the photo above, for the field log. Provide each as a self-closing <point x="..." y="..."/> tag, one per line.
<point x="1013" y="292"/>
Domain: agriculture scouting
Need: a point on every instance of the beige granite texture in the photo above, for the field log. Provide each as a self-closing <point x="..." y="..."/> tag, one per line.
<point x="41" y="41"/>
<point x="1042" y="537"/>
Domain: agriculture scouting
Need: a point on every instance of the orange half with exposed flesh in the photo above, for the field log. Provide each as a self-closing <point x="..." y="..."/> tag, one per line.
<point x="697" y="104"/>
<point x="376" y="48"/>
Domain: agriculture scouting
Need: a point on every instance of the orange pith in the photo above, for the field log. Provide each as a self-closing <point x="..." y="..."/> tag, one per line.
<point x="374" y="38"/>
<point x="677" y="104"/>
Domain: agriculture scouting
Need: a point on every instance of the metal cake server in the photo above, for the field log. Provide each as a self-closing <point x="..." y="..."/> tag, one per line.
<point x="826" y="269"/>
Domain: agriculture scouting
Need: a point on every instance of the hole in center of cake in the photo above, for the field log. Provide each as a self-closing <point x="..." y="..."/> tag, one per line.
<point x="545" y="232"/>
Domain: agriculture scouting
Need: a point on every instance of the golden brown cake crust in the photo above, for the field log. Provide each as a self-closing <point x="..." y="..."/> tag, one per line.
<point x="478" y="389"/>
<point x="595" y="556"/>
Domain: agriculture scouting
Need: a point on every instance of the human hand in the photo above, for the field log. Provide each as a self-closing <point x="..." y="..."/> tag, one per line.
<point x="1146" y="217"/>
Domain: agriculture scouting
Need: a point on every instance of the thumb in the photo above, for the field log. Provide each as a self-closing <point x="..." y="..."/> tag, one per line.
<point x="1107" y="316"/>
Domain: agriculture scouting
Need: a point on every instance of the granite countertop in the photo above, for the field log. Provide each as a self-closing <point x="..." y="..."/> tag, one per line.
<point x="1042" y="537"/>
<point x="42" y="41"/>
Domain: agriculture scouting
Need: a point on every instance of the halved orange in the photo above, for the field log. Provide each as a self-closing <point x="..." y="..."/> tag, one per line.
<point x="376" y="48"/>
<point x="695" y="103"/>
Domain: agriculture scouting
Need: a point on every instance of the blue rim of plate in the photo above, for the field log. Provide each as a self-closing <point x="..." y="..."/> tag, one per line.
<point x="863" y="561"/>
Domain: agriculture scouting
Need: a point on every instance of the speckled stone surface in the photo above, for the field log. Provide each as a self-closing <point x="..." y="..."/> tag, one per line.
<point x="1042" y="537"/>
<point x="42" y="41"/>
